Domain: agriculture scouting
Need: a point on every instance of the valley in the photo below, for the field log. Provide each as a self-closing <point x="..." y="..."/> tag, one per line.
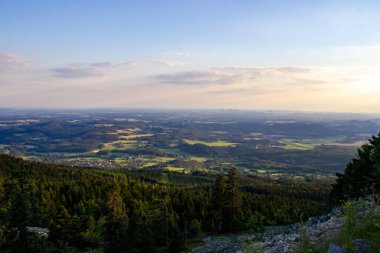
<point x="268" y="144"/>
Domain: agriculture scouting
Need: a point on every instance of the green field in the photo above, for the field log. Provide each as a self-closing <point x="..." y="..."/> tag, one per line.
<point x="198" y="159"/>
<point x="164" y="159"/>
<point x="134" y="136"/>
<point x="291" y="144"/>
<point x="211" y="144"/>
<point x="149" y="164"/>
<point x="177" y="169"/>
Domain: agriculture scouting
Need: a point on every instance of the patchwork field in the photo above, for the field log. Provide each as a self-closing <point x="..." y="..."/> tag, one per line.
<point x="211" y="143"/>
<point x="290" y="144"/>
<point x="186" y="143"/>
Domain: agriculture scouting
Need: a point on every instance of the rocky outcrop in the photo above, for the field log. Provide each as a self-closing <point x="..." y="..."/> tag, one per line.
<point x="333" y="248"/>
<point x="297" y="237"/>
<point x="276" y="239"/>
<point x="43" y="232"/>
<point x="223" y="244"/>
<point x="316" y="230"/>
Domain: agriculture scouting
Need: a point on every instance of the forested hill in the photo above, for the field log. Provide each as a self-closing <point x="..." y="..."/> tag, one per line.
<point x="139" y="210"/>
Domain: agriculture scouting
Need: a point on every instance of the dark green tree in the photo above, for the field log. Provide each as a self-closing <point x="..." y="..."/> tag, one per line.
<point x="218" y="203"/>
<point x="116" y="221"/>
<point x="226" y="203"/>
<point x="233" y="212"/>
<point x="362" y="174"/>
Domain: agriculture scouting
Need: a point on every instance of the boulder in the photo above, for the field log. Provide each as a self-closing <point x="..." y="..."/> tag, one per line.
<point x="335" y="249"/>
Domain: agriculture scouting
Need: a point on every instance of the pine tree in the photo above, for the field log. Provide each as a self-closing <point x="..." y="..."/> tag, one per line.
<point x="227" y="203"/>
<point x="218" y="203"/>
<point x="362" y="174"/>
<point x="232" y="215"/>
<point x="117" y="221"/>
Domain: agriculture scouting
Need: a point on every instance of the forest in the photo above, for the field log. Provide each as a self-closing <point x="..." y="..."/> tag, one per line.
<point x="140" y="211"/>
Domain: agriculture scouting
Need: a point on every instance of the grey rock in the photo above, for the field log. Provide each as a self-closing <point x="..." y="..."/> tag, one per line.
<point x="313" y="220"/>
<point x="44" y="232"/>
<point x="335" y="249"/>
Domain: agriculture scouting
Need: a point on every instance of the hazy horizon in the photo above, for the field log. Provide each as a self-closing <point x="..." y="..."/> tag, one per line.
<point x="189" y="110"/>
<point x="247" y="55"/>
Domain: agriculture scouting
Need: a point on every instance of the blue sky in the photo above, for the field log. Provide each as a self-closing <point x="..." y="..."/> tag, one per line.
<point x="290" y="55"/>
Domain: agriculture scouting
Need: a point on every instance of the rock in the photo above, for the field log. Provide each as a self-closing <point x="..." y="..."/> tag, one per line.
<point x="362" y="246"/>
<point x="43" y="232"/>
<point x="313" y="220"/>
<point x="335" y="249"/>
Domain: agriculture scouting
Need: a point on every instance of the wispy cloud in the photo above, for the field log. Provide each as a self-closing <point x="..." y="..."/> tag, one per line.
<point x="229" y="75"/>
<point x="267" y="70"/>
<point x="79" y="72"/>
<point x="134" y="64"/>
<point x="197" y="78"/>
<point x="104" y="68"/>
<point x="12" y="61"/>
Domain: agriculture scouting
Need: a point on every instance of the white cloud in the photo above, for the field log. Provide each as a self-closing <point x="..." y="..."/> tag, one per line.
<point x="134" y="64"/>
<point x="79" y="72"/>
<point x="234" y="75"/>
<point x="12" y="62"/>
<point x="104" y="68"/>
<point x="197" y="78"/>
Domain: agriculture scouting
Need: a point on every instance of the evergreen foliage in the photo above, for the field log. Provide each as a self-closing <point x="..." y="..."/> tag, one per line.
<point x="362" y="174"/>
<point x="129" y="211"/>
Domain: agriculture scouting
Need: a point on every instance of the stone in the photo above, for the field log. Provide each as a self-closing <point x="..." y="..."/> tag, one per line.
<point x="43" y="232"/>
<point x="335" y="249"/>
<point x="313" y="220"/>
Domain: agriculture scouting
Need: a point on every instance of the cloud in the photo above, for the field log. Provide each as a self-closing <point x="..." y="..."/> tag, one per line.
<point x="267" y="70"/>
<point x="96" y="69"/>
<point x="114" y="64"/>
<point x="133" y="64"/>
<point x="79" y="72"/>
<point x="11" y="61"/>
<point x="197" y="78"/>
<point x="229" y="75"/>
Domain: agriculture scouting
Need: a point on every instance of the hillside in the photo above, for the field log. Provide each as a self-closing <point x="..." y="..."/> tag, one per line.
<point x="139" y="210"/>
<point x="57" y="208"/>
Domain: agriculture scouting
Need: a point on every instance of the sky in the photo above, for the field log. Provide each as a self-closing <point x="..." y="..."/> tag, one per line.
<point x="191" y="54"/>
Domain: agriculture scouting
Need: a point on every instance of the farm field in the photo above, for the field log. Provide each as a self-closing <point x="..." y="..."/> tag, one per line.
<point x="211" y="144"/>
<point x="191" y="142"/>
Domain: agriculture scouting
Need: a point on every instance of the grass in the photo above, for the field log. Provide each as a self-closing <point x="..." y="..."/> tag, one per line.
<point x="193" y="244"/>
<point x="163" y="159"/>
<point x="118" y="145"/>
<point x="252" y="247"/>
<point x="198" y="159"/>
<point x="359" y="224"/>
<point x="361" y="221"/>
<point x="134" y="136"/>
<point x="120" y="161"/>
<point x="290" y="144"/>
<point x="176" y="169"/>
<point x="149" y="164"/>
<point x="309" y="144"/>
<point x="211" y="144"/>
<point x="175" y="151"/>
